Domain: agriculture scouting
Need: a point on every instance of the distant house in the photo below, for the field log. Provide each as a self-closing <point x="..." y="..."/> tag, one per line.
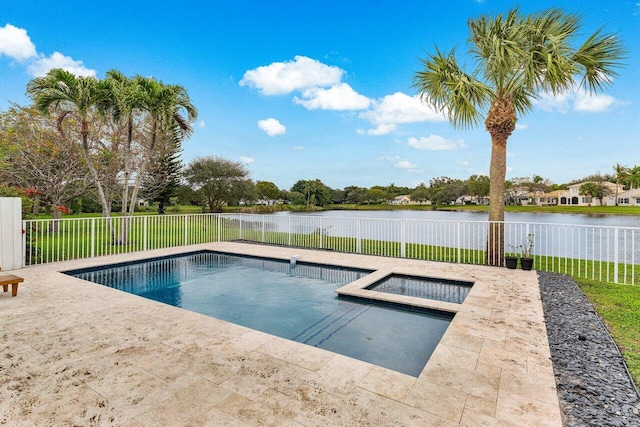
<point x="402" y="200"/>
<point x="545" y="199"/>
<point x="572" y="197"/>
<point x="269" y="202"/>
<point x="629" y="197"/>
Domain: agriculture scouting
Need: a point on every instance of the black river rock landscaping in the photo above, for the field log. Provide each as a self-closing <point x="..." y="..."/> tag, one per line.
<point x="594" y="386"/>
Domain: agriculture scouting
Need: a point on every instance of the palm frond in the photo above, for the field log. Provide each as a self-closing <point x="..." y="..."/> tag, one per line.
<point x="598" y="58"/>
<point x="447" y="88"/>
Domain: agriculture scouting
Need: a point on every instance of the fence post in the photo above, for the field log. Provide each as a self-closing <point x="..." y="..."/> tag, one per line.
<point x="219" y="227"/>
<point x="289" y="244"/>
<point x="24" y="243"/>
<point x="403" y="239"/>
<point x="615" y="254"/>
<point x="459" y="242"/>
<point x="321" y="231"/>
<point x="240" y="232"/>
<point x="358" y="240"/>
<point x="262" y="237"/>
<point x="186" y="230"/>
<point x="144" y="233"/>
<point x="93" y="237"/>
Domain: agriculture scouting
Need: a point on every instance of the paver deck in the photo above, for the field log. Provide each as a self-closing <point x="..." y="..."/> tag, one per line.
<point x="75" y="352"/>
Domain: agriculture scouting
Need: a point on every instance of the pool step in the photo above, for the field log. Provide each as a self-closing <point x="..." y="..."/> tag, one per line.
<point x="319" y="332"/>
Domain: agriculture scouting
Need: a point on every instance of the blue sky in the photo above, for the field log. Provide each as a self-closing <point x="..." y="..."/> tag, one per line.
<point x="305" y="90"/>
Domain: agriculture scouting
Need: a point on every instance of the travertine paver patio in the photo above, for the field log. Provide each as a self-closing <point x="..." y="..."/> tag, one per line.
<point x="74" y="352"/>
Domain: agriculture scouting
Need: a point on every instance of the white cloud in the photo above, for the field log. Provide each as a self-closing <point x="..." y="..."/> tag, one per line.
<point x="550" y="102"/>
<point x="15" y="43"/>
<point x="338" y="97"/>
<point x="247" y="160"/>
<point x="272" y="127"/>
<point x="578" y="100"/>
<point x="380" y="129"/>
<point x="43" y="64"/>
<point x="405" y="164"/>
<point x="398" y="108"/>
<point x="593" y="103"/>
<point x="281" y="78"/>
<point x="400" y="163"/>
<point x="297" y="148"/>
<point x="435" y="143"/>
<point x="463" y="163"/>
<point x="521" y="126"/>
<point x="201" y="124"/>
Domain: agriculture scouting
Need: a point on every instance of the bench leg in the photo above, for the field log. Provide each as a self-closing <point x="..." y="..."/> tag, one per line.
<point x="14" y="289"/>
<point x="5" y="287"/>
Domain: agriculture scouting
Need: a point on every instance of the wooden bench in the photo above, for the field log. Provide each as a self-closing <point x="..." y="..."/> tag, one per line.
<point x="10" y="279"/>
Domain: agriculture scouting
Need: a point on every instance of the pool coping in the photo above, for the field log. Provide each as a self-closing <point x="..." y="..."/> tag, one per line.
<point x="491" y="367"/>
<point x="358" y="289"/>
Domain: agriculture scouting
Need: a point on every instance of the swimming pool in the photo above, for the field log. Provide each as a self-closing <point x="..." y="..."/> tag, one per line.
<point x="294" y="302"/>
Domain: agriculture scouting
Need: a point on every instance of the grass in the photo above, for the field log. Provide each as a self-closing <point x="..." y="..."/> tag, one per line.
<point x="619" y="307"/>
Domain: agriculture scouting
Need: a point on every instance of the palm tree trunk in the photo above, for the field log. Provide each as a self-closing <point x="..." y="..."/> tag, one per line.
<point x="127" y="172"/>
<point x="143" y="167"/>
<point x="106" y="208"/>
<point x="498" y="170"/>
<point x="106" y="211"/>
<point x="500" y="123"/>
<point x="126" y="223"/>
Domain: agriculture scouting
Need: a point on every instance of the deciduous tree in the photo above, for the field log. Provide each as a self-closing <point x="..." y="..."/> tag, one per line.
<point x="217" y="179"/>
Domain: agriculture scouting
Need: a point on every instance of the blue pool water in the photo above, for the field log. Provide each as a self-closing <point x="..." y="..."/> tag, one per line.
<point x="424" y="287"/>
<point x="297" y="303"/>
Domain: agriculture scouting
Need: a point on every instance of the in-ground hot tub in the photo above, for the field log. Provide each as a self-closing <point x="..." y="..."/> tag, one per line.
<point x="454" y="291"/>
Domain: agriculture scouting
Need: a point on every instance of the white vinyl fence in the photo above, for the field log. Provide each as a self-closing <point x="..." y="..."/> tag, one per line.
<point x="10" y="233"/>
<point x="610" y="254"/>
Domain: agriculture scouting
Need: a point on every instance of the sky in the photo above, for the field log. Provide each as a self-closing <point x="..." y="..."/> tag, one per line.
<point x="323" y="89"/>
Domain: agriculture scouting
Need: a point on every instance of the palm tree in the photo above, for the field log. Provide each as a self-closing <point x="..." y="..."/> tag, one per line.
<point x="519" y="57"/>
<point x="634" y="177"/>
<point x="621" y="173"/>
<point x="81" y="97"/>
<point x="125" y="100"/>
<point x="165" y="105"/>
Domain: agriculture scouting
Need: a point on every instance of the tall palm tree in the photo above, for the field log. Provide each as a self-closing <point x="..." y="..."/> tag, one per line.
<point x="68" y="95"/>
<point x="124" y="102"/>
<point x="634" y="177"/>
<point x="621" y="174"/>
<point x="518" y="58"/>
<point x="165" y="105"/>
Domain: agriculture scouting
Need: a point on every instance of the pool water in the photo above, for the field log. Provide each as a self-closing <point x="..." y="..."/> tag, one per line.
<point x="294" y="302"/>
<point x="424" y="287"/>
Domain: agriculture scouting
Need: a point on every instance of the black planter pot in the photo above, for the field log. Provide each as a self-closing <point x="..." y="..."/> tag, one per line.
<point x="526" y="263"/>
<point x="511" y="262"/>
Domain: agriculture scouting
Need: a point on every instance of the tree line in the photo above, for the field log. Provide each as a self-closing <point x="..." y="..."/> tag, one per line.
<point x="104" y="137"/>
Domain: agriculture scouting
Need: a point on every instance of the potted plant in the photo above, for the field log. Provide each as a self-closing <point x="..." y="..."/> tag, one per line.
<point x="510" y="260"/>
<point x="526" y="260"/>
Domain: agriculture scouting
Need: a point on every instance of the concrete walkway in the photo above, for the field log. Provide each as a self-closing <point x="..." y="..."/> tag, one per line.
<point x="78" y="353"/>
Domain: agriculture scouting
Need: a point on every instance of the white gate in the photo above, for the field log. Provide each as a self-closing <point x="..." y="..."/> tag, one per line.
<point x="10" y="233"/>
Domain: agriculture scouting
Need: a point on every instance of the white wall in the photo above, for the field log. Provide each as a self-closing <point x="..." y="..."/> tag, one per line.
<point x="10" y="233"/>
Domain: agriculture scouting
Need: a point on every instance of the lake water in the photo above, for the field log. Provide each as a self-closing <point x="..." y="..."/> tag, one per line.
<point x="545" y="218"/>
<point x="593" y="237"/>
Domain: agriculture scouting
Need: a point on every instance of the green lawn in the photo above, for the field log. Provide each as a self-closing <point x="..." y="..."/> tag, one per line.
<point x="619" y="307"/>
